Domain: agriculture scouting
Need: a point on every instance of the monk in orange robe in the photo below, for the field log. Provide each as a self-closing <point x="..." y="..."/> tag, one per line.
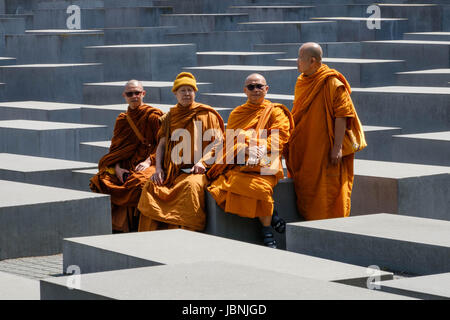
<point x="246" y="189"/>
<point x="174" y="197"/>
<point x="128" y="165"/>
<point x="322" y="112"/>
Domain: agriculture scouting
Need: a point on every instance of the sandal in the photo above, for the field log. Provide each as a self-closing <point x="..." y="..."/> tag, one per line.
<point x="269" y="240"/>
<point x="278" y="223"/>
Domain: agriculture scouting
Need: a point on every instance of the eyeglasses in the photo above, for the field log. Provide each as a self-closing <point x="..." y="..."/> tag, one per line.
<point x="132" y="93"/>
<point x="252" y="87"/>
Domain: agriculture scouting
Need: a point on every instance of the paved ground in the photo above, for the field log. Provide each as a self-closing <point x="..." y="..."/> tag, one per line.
<point x="34" y="267"/>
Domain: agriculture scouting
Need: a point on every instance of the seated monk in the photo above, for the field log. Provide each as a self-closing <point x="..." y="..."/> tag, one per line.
<point x="262" y="129"/>
<point x="129" y="163"/>
<point x="174" y="197"/>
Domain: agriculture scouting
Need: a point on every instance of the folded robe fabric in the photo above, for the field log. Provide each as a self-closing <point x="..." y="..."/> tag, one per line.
<point x="249" y="194"/>
<point x="323" y="190"/>
<point x="180" y="201"/>
<point x="127" y="150"/>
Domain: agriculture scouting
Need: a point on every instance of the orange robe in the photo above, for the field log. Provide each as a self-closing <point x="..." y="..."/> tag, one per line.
<point x="323" y="190"/>
<point x="127" y="150"/>
<point x="180" y="202"/>
<point x="238" y="191"/>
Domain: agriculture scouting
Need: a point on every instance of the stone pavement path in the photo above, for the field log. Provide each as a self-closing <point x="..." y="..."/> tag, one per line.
<point x="34" y="267"/>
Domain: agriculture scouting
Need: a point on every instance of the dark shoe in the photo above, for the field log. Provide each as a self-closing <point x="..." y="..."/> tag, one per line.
<point x="268" y="239"/>
<point x="278" y="223"/>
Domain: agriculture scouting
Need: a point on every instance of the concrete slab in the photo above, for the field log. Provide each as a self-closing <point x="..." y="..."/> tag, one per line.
<point x="275" y="12"/>
<point x="199" y="281"/>
<point x="5" y="61"/>
<point x="416" y="53"/>
<point x="431" y="148"/>
<point x="355" y="28"/>
<point x="432" y="287"/>
<point x="219" y="40"/>
<point x="211" y="58"/>
<point x="57" y="82"/>
<point x="401" y="188"/>
<point x="414" y="109"/>
<point x="41" y="110"/>
<point x="427" y="36"/>
<point x="204" y="22"/>
<point x="50" y="46"/>
<point x="134" y="250"/>
<point x="11" y="25"/>
<point x="231" y="100"/>
<point x="222" y="224"/>
<point x="379" y="141"/>
<point x="137" y="16"/>
<point x="39" y="170"/>
<point x="93" y="151"/>
<point x="156" y="61"/>
<point x="414" y="245"/>
<point x="134" y="35"/>
<point x="361" y="72"/>
<point x="294" y="31"/>
<point x="111" y="92"/>
<point x="13" y="287"/>
<point x="231" y="78"/>
<point x="426" y="78"/>
<point x="81" y="178"/>
<point x="37" y="223"/>
<point x="47" y="139"/>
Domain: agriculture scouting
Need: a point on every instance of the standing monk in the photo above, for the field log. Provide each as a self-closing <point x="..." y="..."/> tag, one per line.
<point x="124" y="170"/>
<point x="174" y="197"/>
<point x="322" y="112"/>
<point x="246" y="188"/>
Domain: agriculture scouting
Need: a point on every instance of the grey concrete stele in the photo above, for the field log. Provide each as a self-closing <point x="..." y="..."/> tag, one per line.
<point x="200" y="281"/>
<point x="35" y="218"/>
<point x="417" y="246"/>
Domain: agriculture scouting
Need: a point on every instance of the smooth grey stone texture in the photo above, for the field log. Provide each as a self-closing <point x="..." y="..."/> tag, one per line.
<point x="414" y="245"/>
<point x="42" y="171"/>
<point x="35" y="219"/>
<point x="424" y="78"/>
<point x="431" y="148"/>
<point x="40" y="110"/>
<point x="199" y="281"/>
<point x="401" y="188"/>
<point x="133" y="250"/>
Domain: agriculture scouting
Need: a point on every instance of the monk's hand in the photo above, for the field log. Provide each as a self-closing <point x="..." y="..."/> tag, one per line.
<point x="198" y="168"/>
<point x="158" y="177"/>
<point x="120" y="172"/>
<point x="143" y="165"/>
<point x="336" y="155"/>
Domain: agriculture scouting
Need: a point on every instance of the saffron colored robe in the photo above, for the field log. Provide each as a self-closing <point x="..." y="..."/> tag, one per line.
<point x="180" y="202"/>
<point x="323" y="190"/>
<point x="127" y="150"/>
<point x="235" y="189"/>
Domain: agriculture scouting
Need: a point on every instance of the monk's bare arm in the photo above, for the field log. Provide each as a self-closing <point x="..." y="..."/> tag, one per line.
<point x="339" y="132"/>
<point x="158" y="176"/>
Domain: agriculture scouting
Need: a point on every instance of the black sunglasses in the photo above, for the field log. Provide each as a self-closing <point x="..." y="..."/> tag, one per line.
<point x="252" y="87"/>
<point x="131" y="93"/>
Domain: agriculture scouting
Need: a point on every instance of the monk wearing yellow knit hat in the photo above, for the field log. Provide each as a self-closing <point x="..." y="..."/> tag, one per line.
<point x="174" y="196"/>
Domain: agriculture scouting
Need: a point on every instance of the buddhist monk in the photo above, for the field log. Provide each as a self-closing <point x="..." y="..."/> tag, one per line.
<point x="174" y="196"/>
<point x="246" y="188"/>
<point x="128" y="165"/>
<point x="322" y="111"/>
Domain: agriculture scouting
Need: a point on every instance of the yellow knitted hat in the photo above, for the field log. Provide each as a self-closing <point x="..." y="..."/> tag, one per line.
<point x="184" y="79"/>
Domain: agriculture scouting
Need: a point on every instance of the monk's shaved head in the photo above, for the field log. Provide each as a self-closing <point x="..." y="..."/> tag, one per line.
<point x="312" y="49"/>
<point x="255" y="77"/>
<point x="134" y="83"/>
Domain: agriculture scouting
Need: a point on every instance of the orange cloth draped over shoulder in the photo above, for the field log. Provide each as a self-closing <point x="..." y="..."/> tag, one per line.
<point x="127" y="150"/>
<point x="323" y="190"/>
<point x="236" y="189"/>
<point x="180" y="202"/>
